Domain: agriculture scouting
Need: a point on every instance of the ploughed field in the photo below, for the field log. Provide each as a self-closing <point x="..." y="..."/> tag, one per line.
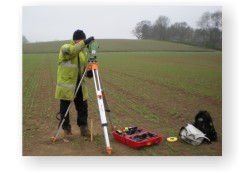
<point x="160" y="90"/>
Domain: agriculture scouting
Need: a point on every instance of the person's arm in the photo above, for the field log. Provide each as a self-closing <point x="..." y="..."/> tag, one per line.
<point x="69" y="51"/>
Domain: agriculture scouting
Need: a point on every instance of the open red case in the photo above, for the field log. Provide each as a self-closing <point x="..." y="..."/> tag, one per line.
<point x="136" y="137"/>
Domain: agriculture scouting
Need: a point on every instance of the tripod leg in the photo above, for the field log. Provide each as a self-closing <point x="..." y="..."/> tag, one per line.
<point x="101" y="108"/>
<point x="60" y="126"/>
<point x="106" y="104"/>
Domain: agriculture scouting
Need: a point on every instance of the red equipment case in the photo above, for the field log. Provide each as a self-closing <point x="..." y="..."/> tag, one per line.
<point x="136" y="138"/>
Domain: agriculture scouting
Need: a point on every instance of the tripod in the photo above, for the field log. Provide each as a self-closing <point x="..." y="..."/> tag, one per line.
<point x="101" y="99"/>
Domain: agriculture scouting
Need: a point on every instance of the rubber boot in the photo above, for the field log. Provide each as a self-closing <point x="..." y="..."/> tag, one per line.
<point x="67" y="131"/>
<point x="85" y="131"/>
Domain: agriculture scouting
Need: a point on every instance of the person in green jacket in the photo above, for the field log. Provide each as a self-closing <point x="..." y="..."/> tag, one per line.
<point x="71" y="64"/>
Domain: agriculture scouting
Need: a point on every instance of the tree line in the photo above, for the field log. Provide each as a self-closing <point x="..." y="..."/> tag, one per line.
<point x="207" y="34"/>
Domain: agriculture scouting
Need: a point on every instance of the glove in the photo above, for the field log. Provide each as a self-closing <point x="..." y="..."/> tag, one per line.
<point x="87" y="41"/>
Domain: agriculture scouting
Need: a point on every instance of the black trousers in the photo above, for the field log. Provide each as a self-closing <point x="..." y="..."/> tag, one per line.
<point x="81" y="107"/>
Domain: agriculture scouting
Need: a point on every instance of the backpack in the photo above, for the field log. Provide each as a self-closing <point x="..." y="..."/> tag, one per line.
<point x="203" y="122"/>
<point x="192" y="135"/>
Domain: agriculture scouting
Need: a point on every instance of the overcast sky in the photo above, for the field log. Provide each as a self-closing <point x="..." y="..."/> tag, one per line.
<point x="48" y="23"/>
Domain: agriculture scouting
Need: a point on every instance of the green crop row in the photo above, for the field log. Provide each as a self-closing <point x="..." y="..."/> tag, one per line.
<point x="160" y="90"/>
<point x="198" y="73"/>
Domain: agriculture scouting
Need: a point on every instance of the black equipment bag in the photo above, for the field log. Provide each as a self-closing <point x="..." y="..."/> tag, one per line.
<point x="204" y="122"/>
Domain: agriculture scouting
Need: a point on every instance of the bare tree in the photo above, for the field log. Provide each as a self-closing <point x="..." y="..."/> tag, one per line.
<point x="205" y="21"/>
<point x="180" y="31"/>
<point x="147" y="30"/>
<point x="160" y="28"/>
<point x="142" y="29"/>
<point x="216" y="19"/>
<point x="210" y="29"/>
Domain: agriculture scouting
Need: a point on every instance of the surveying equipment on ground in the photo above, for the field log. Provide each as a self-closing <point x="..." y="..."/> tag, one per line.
<point x="172" y="139"/>
<point x="136" y="137"/>
<point x="101" y="99"/>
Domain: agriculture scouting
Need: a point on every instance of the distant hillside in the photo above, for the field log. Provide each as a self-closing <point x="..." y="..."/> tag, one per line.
<point x="117" y="45"/>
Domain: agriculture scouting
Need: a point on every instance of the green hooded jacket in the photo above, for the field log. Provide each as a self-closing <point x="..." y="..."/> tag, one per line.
<point x="67" y="72"/>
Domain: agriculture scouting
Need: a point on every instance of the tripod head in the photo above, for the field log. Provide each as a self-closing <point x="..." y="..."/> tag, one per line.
<point x="92" y="47"/>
